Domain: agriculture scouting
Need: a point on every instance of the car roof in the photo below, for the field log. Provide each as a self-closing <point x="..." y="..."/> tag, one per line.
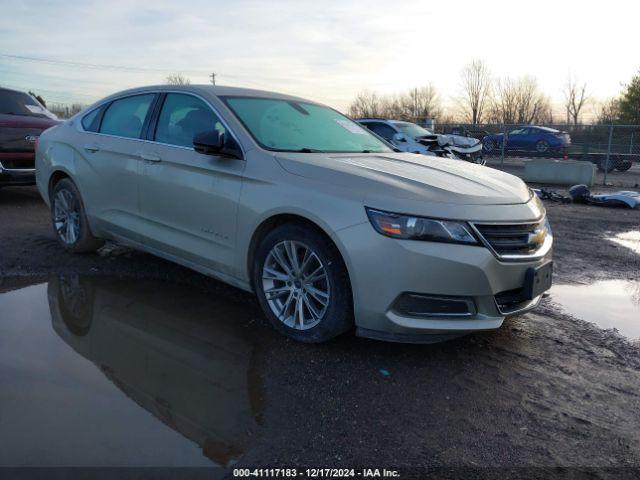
<point x="5" y="89"/>
<point x="546" y="129"/>
<point x="216" y="90"/>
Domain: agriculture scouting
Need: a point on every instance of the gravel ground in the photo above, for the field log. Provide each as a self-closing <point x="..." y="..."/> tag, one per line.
<point x="544" y="390"/>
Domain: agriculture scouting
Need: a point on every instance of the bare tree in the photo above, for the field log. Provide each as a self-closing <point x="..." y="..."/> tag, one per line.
<point x="609" y="111"/>
<point x="519" y="101"/>
<point x="177" y="79"/>
<point x="420" y="103"/>
<point x="476" y="88"/>
<point x="575" y="98"/>
<point x="416" y="104"/>
<point x="366" y="104"/>
<point x="65" y="110"/>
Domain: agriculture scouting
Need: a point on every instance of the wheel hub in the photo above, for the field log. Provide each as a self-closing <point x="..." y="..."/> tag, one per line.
<point x="66" y="216"/>
<point x="296" y="285"/>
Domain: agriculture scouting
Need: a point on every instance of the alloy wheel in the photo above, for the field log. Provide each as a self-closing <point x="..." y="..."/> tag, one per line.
<point x="66" y="216"/>
<point x="542" y="146"/>
<point x="296" y="285"/>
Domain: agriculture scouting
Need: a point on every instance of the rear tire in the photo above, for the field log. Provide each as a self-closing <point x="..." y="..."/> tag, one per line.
<point x="69" y="219"/>
<point x="602" y="165"/>
<point x="542" y="146"/>
<point x="308" y="293"/>
<point x="623" y="166"/>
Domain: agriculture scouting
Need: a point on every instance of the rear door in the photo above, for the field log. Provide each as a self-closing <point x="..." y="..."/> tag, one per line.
<point x="532" y="136"/>
<point x="189" y="200"/>
<point x="113" y="156"/>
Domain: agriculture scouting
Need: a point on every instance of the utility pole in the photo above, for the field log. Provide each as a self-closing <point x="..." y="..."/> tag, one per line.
<point x="213" y="78"/>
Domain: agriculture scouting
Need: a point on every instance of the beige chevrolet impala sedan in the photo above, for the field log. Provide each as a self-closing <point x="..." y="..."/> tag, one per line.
<point x="292" y="200"/>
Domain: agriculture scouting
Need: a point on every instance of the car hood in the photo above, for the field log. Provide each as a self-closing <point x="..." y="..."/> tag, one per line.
<point x="460" y="141"/>
<point x="409" y="176"/>
<point x="25" y="121"/>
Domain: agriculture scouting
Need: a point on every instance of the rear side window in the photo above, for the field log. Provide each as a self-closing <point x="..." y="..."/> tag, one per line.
<point x="182" y="117"/>
<point x="125" y="117"/>
<point x="90" y="121"/>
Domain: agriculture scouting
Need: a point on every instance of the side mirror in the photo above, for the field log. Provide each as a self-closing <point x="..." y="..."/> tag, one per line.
<point x="399" y="137"/>
<point x="216" y="143"/>
<point x="208" y="143"/>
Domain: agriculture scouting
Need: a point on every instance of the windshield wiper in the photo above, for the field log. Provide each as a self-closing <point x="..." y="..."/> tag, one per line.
<point x="310" y="150"/>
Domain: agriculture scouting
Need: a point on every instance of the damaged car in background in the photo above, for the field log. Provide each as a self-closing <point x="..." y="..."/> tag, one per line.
<point x="410" y="137"/>
<point x="287" y="198"/>
<point x="539" y="140"/>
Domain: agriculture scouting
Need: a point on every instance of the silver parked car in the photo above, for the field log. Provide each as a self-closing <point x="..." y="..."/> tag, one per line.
<point x="292" y="200"/>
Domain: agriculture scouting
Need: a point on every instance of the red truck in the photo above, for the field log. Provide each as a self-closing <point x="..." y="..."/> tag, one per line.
<point x="22" y="120"/>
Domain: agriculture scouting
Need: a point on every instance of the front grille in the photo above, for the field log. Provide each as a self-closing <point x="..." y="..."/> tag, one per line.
<point x="521" y="239"/>
<point x="18" y="163"/>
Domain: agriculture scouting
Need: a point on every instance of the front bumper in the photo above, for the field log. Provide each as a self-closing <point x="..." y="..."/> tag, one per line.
<point x="382" y="269"/>
<point x="17" y="177"/>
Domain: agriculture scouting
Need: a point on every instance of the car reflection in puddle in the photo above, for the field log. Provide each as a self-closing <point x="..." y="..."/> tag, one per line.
<point x="607" y="303"/>
<point x="186" y="358"/>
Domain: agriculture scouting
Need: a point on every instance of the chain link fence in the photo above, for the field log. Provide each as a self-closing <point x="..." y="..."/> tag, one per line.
<point x="614" y="149"/>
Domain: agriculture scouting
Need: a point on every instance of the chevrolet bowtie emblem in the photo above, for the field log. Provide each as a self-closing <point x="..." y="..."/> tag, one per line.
<point x="537" y="237"/>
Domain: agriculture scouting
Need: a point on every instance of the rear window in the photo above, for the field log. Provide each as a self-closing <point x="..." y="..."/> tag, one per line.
<point x="19" y="103"/>
<point x="125" y="117"/>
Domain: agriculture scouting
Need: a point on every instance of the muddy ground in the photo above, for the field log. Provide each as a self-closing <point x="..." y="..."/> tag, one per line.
<point x="544" y="390"/>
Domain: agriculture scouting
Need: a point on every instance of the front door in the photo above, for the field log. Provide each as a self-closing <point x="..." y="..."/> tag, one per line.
<point x="188" y="200"/>
<point x="516" y="139"/>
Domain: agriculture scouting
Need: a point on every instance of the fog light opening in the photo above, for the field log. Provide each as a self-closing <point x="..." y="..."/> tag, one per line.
<point x="424" y="305"/>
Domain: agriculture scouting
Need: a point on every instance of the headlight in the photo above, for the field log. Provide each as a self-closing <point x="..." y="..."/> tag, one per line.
<point x="419" y="228"/>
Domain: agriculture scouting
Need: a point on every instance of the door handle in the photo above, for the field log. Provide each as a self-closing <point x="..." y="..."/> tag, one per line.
<point x="91" y="148"/>
<point x="150" y="157"/>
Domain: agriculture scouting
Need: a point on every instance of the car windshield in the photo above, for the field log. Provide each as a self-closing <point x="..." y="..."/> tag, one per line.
<point x="411" y="129"/>
<point x="18" y="103"/>
<point x="291" y="126"/>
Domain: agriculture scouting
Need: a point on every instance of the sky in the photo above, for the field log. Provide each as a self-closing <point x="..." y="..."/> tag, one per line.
<point x="323" y="50"/>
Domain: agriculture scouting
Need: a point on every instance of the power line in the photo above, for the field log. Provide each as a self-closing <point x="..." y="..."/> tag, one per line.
<point x="126" y="68"/>
<point x="96" y="65"/>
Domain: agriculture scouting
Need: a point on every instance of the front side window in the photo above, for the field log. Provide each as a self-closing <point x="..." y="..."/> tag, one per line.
<point x="382" y="129"/>
<point x="284" y="125"/>
<point x="125" y="117"/>
<point x="182" y="117"/>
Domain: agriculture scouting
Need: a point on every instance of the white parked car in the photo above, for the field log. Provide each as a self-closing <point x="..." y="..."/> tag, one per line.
<point x="410" y="137"/>
<point x="292" y="200"/>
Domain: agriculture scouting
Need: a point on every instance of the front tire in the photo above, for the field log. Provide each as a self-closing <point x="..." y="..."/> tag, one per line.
<point x="489" y="146"/>
<point x="302" y="284"/>
<point x="70" y="220"/>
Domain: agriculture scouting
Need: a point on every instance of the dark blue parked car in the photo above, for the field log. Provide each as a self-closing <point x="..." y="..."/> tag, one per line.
<point x="541" y="140"/>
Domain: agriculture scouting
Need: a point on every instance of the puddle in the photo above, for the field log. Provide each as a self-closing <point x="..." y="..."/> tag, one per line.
<point x="630" y="240"/>
<point x="607" y="303"/>
<point x="124" y="373"/>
